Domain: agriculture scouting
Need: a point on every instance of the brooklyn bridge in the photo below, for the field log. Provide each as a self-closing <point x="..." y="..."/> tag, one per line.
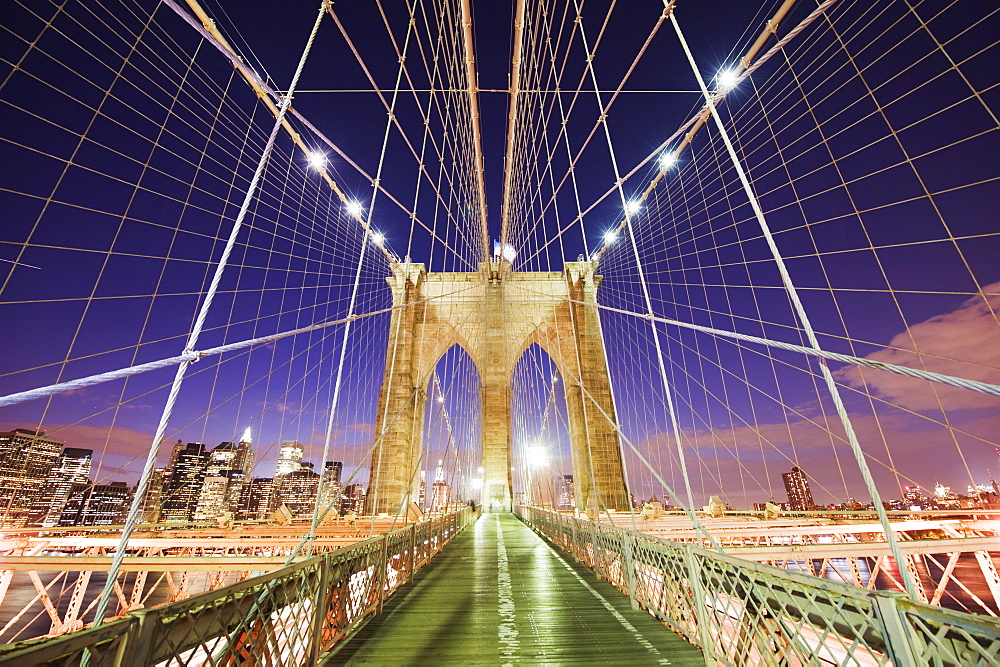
<point x="490" y="333"/>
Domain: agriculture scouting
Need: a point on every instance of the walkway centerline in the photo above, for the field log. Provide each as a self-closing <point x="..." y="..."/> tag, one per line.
<point x="529" y="605"/>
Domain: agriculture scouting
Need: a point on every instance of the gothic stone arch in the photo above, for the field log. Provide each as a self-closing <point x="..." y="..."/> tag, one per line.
<point x="495" y="314"/>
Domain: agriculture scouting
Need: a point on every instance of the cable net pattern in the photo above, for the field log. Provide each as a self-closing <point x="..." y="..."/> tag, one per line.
<point x="742" y="195"/>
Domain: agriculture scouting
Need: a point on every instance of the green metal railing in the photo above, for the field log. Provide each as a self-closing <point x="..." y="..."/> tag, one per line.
<point x="288" y="617"/>
<point x="740" y="612"/>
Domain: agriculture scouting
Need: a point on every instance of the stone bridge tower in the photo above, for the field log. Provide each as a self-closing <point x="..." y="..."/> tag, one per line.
<point x="495" y="314"/>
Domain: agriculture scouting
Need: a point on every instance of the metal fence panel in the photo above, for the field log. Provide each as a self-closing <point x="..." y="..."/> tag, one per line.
<point x="741" y="612"/>
<point x="284" y="618"/>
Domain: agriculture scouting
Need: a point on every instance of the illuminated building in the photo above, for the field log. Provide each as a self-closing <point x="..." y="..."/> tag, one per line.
<point x="567" y="500"/>
<point x="224" y="478"/>
<point x="289" y="458"/>
<point x="797" y="487"/>
<point x="96" y="505"/>
<point x="257" y="501"/>
<point x="297" y="491"/>
<point x="73" y="468"/>
<point x="332" y="472"/>
<point x="182" y="489"/>
<point x="149" y="511"/>
<point x="353" y="499"/>
<point x="26" y="459"/>
<point x="440" y="491"/>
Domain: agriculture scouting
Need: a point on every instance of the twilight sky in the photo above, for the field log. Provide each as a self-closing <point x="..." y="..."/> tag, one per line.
<point x="870" y="142"/>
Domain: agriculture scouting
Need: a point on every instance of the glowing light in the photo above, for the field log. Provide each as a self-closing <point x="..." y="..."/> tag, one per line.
<point x="667" y="160"/>
<point x="480" y="470"/>
<point x="246" y="436"/>
<point x="477" y="483"/>
<point x="726" y="79"/>
<point x="536" y="457"/>
<point x="632" y="207"/>
<point x="440" y="399"/>
<point x="610" y="236"/>
<point x="378" y="238"/>
<point x="317" y="160"/>
<point x="355" y="208"/>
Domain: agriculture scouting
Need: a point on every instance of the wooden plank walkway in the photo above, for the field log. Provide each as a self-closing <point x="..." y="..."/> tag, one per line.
<point x="499" y="594"/>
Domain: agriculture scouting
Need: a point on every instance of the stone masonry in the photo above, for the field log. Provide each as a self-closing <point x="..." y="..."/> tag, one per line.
<point x="495" y="314"/>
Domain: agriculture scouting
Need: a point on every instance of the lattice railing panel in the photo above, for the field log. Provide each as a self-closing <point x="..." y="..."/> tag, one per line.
<point x="747" y="613"/>
<point x="944" y="637"/>
<point x="288" y="617"/>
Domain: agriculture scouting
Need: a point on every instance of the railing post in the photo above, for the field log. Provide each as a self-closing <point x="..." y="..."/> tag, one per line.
<point x="319" y="609"/>
<point x="700" y="606"/>
<point x="140" y="640"/>
<point x="594" y="529"/>
<point x="574" y="549"/>
<point x="628" y="562"/>
<point x="413" y="550"/>
<point x="895" y="629"/>
<point x="382" y="571"/>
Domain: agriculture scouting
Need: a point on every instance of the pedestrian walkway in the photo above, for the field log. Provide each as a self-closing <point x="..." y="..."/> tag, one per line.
<point x="499" y="594"/>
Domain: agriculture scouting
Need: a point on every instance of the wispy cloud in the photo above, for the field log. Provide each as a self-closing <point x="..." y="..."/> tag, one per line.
<point x="964" y="342"/>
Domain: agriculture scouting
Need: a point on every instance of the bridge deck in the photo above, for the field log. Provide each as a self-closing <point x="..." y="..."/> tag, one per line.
<point x="499" y="594"/>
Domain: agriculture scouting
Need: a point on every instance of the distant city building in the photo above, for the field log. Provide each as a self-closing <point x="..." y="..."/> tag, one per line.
<point x="440" y="496"/>
<point x="241" y="469"/>
<point x="149" y="511"/>
<point x="26" y="459"/>
<point x="225" y="475"/>
<point x="289" y="458"/>
<point x="97" y="505"/>
<point x="257" y="501"/>
<point x="797" y="487"/>
<point x="332" y="472"/>
<point x="566" y="496"/>
<point x="914" y="499"/>
<point x="213" y="499"/>
<point x="297" y="491"/>
<point x="440" y="491"/>
<point x="183" y="487"/>
<point x="73" y="468"/>
<point x="353" y="499"/>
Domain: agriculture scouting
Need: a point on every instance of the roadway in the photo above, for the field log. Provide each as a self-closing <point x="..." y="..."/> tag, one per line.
<point x="499" y="594"/>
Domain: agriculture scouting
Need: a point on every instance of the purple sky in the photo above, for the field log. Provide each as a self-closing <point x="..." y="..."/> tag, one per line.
<point x="877" y="174"/>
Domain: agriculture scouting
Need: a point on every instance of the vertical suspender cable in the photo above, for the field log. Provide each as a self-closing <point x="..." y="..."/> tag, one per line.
<point x="192" y="341"/>
<point x="354" y="296"/>
<point x="800" y="312"/>
<point x="667" y="390"/>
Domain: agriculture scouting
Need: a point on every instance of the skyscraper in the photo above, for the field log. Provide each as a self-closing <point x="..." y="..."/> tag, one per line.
<point x="257" y="501"/>
<point x="353" y="499"/>
<point x="797" y="487"/>
<point x="567" y="499"/>
<point x="152" y="502"/>
<point x="297" y="491"/>
<point x="332" y="472"/>
<point x="73" y="468"/>
<point x="289" y="458"/>
<point x="96" y="505"/>
<point x="182" y="489"/>
<point x="26" y="458"/>
<point x="440" y="491"/>
<point x="224" y="478"/>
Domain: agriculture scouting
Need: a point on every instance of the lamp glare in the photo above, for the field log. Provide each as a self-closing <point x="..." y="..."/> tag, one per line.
<point x="317" y="160"/>
<point x="727" y="79"/>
